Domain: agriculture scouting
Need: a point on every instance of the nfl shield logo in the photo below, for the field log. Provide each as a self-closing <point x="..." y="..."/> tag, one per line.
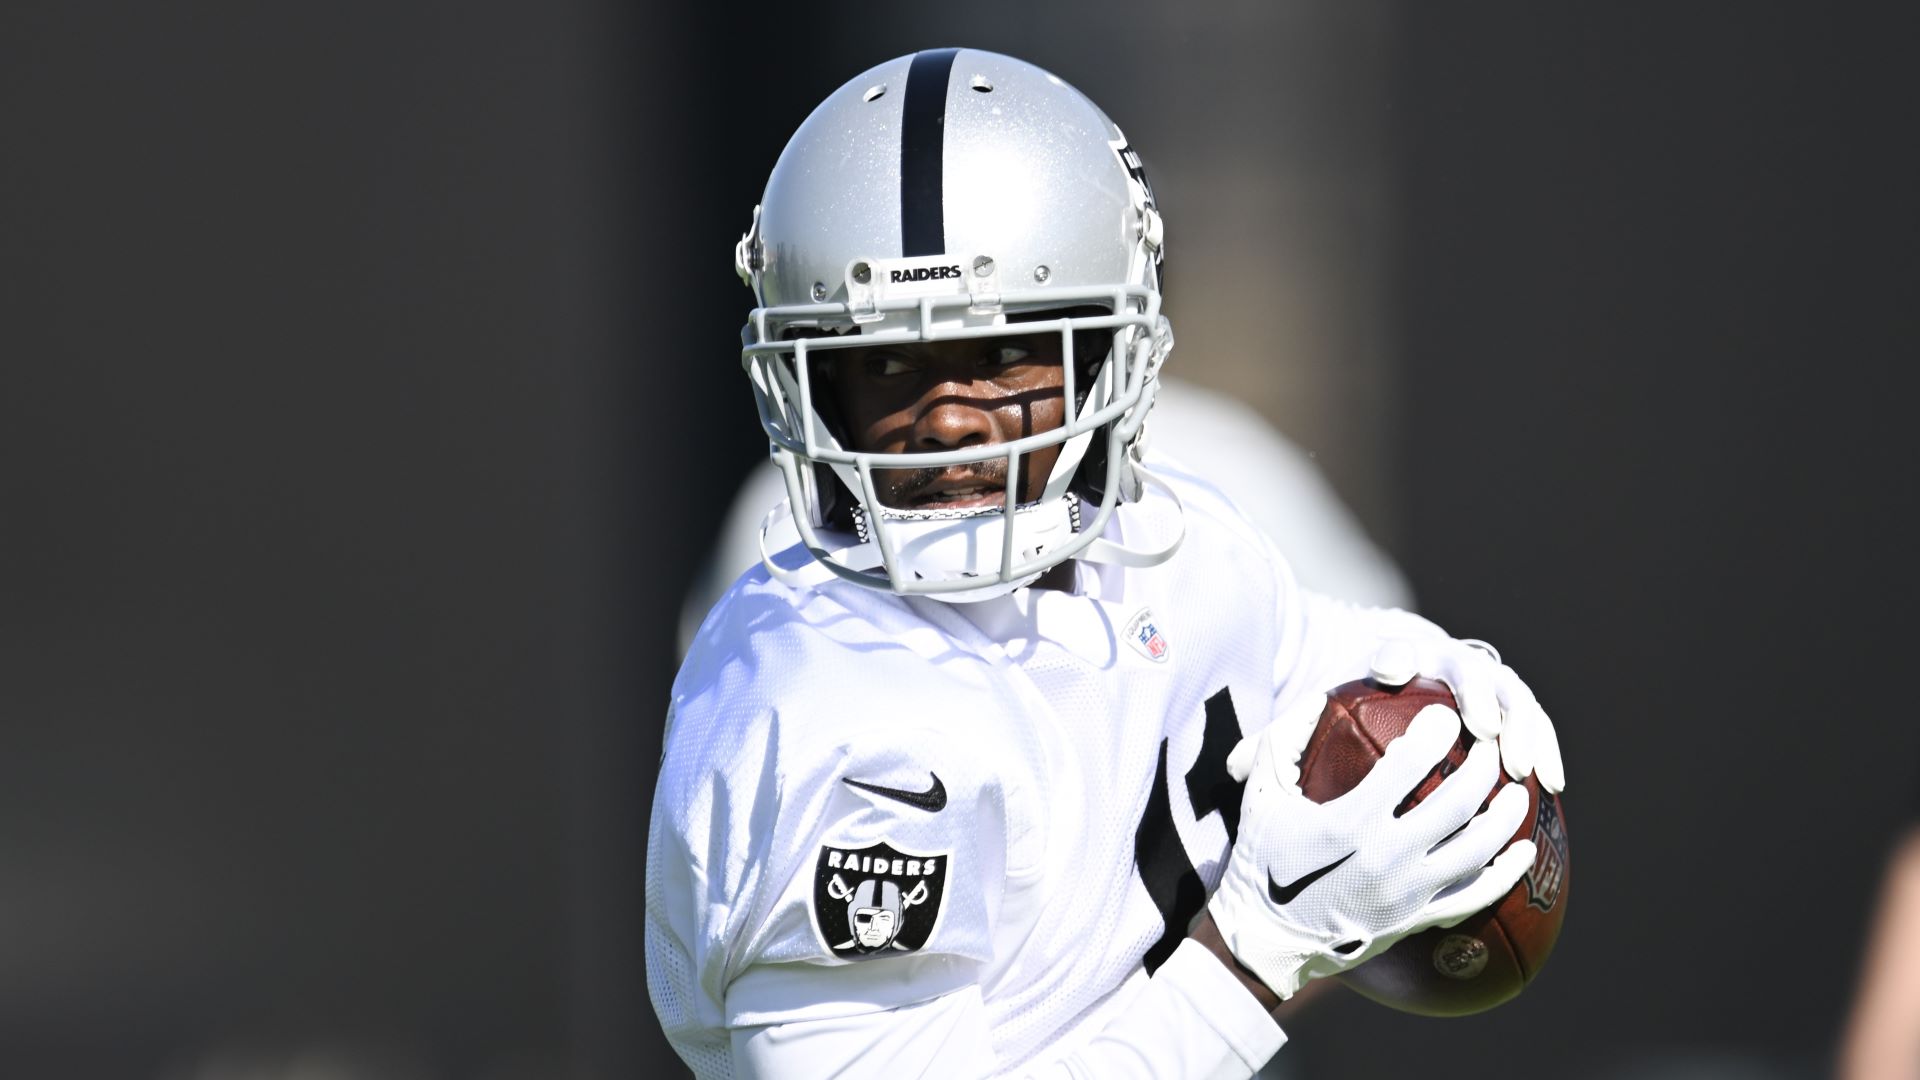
<point x="877" y="900"/>
<point x="1549" y="873"/>
<point x="1145" y="637"/>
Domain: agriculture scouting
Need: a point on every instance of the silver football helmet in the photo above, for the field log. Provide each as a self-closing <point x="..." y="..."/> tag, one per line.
<point x="955" y="193"/>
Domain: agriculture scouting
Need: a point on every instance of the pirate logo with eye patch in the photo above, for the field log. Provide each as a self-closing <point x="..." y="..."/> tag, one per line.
<point x="878" y="900"/>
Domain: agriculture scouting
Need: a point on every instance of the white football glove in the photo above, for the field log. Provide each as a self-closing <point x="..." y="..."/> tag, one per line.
<point x="1494" y="703"/>
<point x="1312" y="889"/>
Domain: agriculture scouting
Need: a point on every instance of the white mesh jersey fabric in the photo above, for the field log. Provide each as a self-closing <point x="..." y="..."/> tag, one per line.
<point x="1080" y="739"/>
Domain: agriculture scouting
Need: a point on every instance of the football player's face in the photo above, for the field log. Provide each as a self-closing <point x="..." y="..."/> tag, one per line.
<point x="953" y="395"/>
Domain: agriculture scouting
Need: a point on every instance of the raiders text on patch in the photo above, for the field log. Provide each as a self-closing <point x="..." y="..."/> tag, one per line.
<point x="867" y="864"/>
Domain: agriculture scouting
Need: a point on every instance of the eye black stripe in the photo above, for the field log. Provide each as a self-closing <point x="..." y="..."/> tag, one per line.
<point x="923" y="224"/>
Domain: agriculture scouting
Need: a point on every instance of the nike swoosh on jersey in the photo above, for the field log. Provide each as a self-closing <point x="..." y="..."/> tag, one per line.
<point x="932" y="800"/>
<point x="1284" y="894"/>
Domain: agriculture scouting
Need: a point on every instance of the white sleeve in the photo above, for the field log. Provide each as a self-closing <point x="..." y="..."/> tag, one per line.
<point x="1191" y="1020"/>
<point x="944" y="1037"/>
<point x="761" y="860"/>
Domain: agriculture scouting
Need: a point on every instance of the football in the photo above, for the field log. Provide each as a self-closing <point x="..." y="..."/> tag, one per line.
<point x="1492" y="955"/>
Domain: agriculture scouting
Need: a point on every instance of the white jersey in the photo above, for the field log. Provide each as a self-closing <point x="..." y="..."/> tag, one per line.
<point x="981" y="825"/>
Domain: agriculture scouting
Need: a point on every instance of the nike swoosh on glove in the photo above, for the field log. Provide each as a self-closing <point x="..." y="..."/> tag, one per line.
<point x="1312" y="889"/>
<point x="1494" y="702"/>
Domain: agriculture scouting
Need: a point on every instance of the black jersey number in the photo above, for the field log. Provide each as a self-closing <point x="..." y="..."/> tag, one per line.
<point x="1164" y="867"/>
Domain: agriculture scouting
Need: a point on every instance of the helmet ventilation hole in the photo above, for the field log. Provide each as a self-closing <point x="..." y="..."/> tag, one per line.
<point x="874" y="92"/>
<point x="981" y="84"/>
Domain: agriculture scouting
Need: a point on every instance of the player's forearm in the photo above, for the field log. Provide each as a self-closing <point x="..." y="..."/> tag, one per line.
<point x="1883" y="1035"/>
<point x="1206" y="933"/>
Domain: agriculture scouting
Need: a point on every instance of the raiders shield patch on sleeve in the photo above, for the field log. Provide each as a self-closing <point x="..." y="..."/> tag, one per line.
<point x="878" y="900"/>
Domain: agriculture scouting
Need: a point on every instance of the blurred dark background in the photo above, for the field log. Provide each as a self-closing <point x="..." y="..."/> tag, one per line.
<point x="368" y="387"/>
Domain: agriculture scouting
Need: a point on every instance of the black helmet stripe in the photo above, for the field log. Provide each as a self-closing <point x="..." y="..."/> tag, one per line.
<point x="923" y="123"/>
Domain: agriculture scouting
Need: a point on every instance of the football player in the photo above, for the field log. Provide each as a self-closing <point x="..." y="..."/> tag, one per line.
<point x="1019" y="671"/>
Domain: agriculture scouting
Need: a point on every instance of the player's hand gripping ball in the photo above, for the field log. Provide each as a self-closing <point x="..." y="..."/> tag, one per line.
<point x="1489" y="957"/>
<point x="1493" y="701"/>
<point x="1315" y="888"/>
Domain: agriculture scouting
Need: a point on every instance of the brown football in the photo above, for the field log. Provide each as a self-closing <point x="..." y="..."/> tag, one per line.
<point x="1490" y="957"/>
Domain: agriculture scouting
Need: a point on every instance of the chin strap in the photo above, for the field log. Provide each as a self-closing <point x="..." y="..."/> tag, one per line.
<point x="1106" y="551"/>
<point x="815" y="572"/>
